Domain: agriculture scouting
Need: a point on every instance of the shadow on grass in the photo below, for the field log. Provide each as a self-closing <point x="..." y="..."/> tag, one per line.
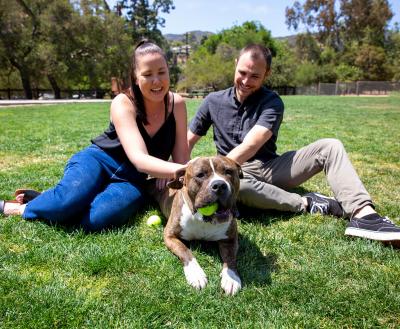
<point x="254" y="267"/>
<point x="267" y="216"/>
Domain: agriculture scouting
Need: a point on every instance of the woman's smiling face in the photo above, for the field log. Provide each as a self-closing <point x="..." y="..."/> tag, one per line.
<point x="152" y="76"/>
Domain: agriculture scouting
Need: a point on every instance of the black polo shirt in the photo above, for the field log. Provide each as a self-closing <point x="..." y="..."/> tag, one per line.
<point x="232" y="120"/>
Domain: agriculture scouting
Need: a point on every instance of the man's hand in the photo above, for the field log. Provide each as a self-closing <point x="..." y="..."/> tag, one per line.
<point x="255" y="138"/>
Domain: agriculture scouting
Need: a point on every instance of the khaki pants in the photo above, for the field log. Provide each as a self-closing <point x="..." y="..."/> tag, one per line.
<point x="265" y="185"/>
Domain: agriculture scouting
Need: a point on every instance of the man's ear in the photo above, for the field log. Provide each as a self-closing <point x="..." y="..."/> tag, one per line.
<point x="267" y="74"/>
<point x="179" y="181"/>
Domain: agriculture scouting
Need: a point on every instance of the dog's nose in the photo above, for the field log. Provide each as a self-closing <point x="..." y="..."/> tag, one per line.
<point x="219" y="186"/>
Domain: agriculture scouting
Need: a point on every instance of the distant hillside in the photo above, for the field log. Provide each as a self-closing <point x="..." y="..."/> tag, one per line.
<point x="194" y="36"/>
<point x="291" y="39"/>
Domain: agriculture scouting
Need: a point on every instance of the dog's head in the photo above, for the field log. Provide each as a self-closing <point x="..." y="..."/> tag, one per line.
<point x="207" y="180"/>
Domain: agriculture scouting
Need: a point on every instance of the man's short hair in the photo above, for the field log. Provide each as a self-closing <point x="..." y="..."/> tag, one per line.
<point x="256" y="51"/>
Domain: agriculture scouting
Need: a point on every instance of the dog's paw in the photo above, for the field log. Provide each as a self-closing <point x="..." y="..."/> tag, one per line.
<point x="230" y="281"/>
<point x="195" y="275"/>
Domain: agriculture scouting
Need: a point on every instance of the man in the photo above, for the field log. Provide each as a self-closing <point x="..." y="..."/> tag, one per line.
<point x="246" y="120"/>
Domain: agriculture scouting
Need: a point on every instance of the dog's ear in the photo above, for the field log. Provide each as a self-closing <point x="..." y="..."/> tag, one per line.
<point x="239" y="168"/>
<point x="179" y="180"/>
<point x="240" y="171"/>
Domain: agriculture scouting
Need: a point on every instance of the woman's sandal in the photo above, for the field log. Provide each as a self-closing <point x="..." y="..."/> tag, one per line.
<point x="29" y="194"/>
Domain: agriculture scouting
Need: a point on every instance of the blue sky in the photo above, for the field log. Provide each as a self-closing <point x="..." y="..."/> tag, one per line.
<point x="216" y="15"/>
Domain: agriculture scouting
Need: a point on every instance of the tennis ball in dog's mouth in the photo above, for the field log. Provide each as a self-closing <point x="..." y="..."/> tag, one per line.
<point x="208" y="210"/>
<point x="153" y="221"/>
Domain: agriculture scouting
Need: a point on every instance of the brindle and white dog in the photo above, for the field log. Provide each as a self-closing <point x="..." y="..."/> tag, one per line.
<point x="205" y="181"/>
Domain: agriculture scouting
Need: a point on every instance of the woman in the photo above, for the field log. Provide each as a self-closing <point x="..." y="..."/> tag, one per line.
<point x="102" y="185"/>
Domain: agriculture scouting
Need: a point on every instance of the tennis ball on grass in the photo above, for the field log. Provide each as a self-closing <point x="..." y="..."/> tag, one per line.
<point x="153" y="221"/>
<point x="208" y="210"/>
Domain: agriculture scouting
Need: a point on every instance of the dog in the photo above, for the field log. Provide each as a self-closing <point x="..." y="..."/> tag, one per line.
<point x="205" y="180"/>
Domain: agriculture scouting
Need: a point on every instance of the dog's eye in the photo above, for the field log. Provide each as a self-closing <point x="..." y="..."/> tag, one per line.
<point x="228" y="172"/>
<point x="200" y="175"/>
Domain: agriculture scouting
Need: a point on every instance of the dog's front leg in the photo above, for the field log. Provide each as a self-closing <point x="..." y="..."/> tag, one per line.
<point x="194" y="274"/>
<point x="230" y="280"/>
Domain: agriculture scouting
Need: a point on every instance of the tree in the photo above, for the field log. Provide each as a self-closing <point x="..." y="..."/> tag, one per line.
<point x="306" y="74"/>
<point x="318" y="16"/>
<point x="284" y="66"/>
<point x="354" y="36"/>
<point x="307" y="48"/>
<point x="144" y="18"/>
<point x="365" y="21"/>
<point x="393" y="53"/>
<point x="62" y="44"/>
<point x="19" y="36"/>
<point x="240" y="36"/>
<point x="372" y="62"/>
<point x="347" y="73"/>
<point x="209" y="71"/>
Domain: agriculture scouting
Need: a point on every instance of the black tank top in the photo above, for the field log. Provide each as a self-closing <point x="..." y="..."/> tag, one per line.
<point x="159" y="146"/>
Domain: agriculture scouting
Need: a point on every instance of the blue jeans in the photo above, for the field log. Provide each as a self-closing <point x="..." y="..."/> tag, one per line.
<point x="97" y="191"/>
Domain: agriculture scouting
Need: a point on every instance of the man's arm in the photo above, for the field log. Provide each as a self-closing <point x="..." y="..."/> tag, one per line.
<point x="192" y="139"/>
<point x="255" y="138"/>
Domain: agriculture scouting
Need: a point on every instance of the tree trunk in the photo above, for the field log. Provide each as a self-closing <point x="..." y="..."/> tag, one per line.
<point x="54" y="86"/>
<point x="26" y="83"/>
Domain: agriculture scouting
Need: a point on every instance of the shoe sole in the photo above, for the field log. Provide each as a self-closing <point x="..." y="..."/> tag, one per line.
<point x="378" y="236"/>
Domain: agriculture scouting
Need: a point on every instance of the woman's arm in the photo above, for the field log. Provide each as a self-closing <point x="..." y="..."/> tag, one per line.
<point x="123" y="115"/>
<point x="180" y="153"/>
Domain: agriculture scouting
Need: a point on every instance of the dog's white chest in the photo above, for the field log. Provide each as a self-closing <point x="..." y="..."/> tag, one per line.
<point x="193" y="228"/>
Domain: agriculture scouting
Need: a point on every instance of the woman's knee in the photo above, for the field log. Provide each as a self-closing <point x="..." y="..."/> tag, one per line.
<point x="109" y="215"/>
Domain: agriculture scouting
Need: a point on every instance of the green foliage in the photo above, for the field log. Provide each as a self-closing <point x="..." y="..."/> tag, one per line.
<point x="70" y="44"/>
<point x="240" y="36"/>
<point x="209" y="71"/>
<point x="284" y="66"/>
<point x="307" y="48"/>
<point x="351" y="34"/>
<point x="393" y="51"/>
<point x="298" y="271"/>
<point x="371" y="60"/>
<point x="306" y="74"/>
<point x="347" y="73"/>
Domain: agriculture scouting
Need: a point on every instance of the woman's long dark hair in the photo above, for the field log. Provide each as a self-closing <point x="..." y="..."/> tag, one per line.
<point x="144" y="47"/>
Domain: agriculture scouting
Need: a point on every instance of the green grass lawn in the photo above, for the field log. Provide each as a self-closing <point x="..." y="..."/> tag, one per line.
<point x="297" y="270"/>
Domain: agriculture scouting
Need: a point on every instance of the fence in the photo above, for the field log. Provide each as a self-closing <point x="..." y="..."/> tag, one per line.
<point x="338" y="88"/>
<point x="350" y="88"/>
<point x="49" y="94"/>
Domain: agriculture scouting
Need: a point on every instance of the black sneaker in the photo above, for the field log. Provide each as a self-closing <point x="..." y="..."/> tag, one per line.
<point x="318" y="203"/>
<point x="374" y="227"/>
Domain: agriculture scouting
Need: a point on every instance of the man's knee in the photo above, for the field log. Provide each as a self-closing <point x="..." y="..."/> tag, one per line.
<point x="332" y="144"/>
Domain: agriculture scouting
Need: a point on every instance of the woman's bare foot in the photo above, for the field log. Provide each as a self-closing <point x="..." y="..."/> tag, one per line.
<point x="13" y="208"/>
